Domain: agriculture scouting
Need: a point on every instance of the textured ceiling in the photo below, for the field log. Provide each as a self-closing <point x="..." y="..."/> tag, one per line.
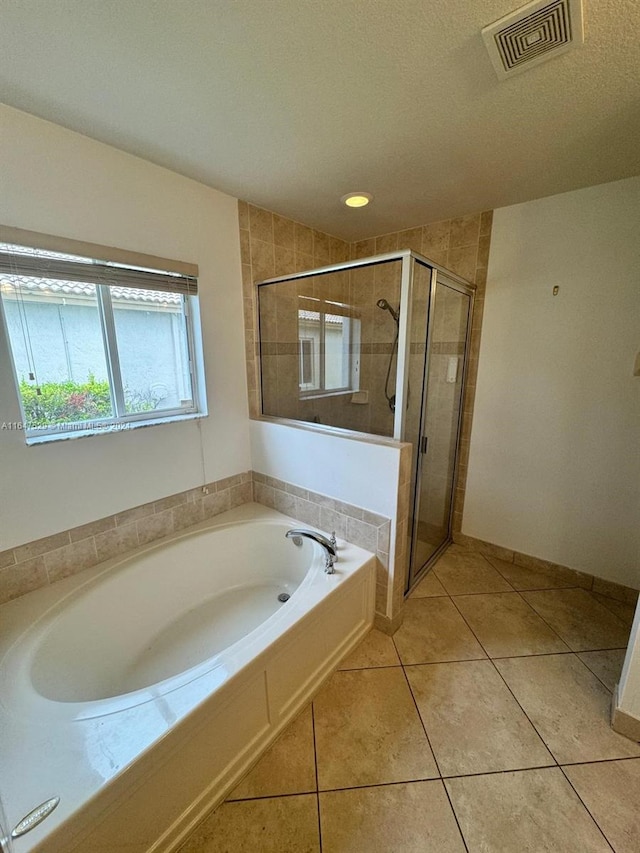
<point x="290" y="104"/>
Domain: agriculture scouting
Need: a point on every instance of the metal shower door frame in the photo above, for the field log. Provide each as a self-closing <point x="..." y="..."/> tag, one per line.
<point x="447" y="279"/>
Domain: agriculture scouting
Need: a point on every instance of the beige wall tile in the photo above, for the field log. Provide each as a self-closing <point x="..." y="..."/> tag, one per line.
<point x="155" y="527"/>
<point x="362" y="534"/>
<point x="41" y="546"/>
<point x="615" y="590"/>
<point x="486" y="221"/>
<point x="134" y="514"/>
<point x="22" y="578"/>
<point x="410" y="239"/>
<point x="70" y="559"/>
<point x="120" y="540"/>
<point x="462" y="261"/>
<point x="188" y="514"/>
<point x="243" y="214"/>
<point x="260" y="224"/>
<point x="283" y="232"/>
<point x="215" y="503"/>
<point x="7" y="558"/>
<point x="303" y="237"/>
<point x="92" y="528"/>
<point x="262" y="260"/>
<point x="464" y="231"/>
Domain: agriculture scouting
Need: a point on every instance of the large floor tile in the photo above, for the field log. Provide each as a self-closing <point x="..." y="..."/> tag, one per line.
<point x="377" y="649"/>
<point x="368" y="731"/>
<point x="607" y="665"/>
<point x="527" y="577"/>
<point x="535" y="811"/>
<point x="462" y="572"/>
<point x="473" y="722"/>
<point x="506" y="625"/>
<point x="611" y="792"/>
<point x="582" y="622"/>
<point x="429" y="587"/>
<point x="568" y="705"/>
<point x="625" y="612"/>
<point x="278" y="825"/>
<point x="412" y="818"/>
<point x="434" y="631"/>
<point x="288" y="767"/>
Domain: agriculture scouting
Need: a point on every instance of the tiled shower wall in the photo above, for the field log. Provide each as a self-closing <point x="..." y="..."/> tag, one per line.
<point x="272" y="245"/>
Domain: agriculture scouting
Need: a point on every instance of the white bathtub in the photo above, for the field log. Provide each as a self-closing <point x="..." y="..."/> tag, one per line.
<point x="141" y="690"/>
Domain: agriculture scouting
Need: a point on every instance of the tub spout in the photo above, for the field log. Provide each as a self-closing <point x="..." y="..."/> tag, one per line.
<point x="328" y="545"/>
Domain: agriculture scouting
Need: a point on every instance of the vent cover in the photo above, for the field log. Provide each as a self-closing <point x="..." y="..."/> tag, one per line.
<point x="533" y="34"/>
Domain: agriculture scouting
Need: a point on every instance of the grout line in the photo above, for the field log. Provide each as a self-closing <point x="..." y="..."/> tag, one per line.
<point x="315" y="765"/>
<point x="424" y="728"/>
<point x="586" y="808"/>
<point x="542" y="740"/>
<point x="600" y="761"/>
<point x="513" y="589"/>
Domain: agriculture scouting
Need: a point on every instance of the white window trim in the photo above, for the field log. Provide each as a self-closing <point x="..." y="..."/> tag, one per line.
<point x="123" y="421"/>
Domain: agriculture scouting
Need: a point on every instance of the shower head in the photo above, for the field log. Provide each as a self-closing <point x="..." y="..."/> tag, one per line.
<point x="382" y="303"/>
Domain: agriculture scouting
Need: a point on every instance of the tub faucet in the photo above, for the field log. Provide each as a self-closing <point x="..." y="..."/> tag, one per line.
<point x="328" y="545"/>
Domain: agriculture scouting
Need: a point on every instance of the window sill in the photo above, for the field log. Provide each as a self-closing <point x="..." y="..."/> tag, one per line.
<point x="321" y="395"/>
<point x="108" y="429"/>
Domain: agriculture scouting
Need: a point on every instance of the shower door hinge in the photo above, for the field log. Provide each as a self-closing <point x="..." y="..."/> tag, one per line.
<point x="423" y="444"/>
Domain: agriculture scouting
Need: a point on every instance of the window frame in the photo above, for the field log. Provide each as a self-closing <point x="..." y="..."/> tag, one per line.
<point x="350" y="349"/>
<point x="120" y="420"/>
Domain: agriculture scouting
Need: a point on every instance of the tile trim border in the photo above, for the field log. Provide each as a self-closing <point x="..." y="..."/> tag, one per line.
<point x="622" y="722"/>
<point x="359" y="526"/>
<point x="610" y="589"/>
<point x="42" y="562"/>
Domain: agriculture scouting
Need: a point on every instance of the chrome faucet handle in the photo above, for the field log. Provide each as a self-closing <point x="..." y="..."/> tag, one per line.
<point x="333" y="540"/>
<point x="328" y="564"/>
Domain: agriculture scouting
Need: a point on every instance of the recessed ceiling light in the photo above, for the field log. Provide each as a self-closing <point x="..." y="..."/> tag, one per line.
<point x="356" y="199"/>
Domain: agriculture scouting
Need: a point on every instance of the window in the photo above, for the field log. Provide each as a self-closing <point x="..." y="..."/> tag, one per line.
<point x="329" y="347"/>
<point x="98" y="344"/>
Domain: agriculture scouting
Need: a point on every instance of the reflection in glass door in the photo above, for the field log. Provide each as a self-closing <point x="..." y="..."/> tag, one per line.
<point x="440" y="421"/>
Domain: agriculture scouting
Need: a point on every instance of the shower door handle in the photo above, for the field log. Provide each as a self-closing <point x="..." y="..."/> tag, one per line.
<point x="424" y="441"/>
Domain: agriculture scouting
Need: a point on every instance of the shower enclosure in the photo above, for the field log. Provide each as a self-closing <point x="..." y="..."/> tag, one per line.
<point x="376" y="345"/>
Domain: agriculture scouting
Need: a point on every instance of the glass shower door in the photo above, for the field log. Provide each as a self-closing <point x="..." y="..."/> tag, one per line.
<point x="440" y="422"/>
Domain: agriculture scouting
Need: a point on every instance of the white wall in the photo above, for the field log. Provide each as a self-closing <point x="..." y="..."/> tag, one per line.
<point x="554" y="467"/>
<point x="62" y="183"/>
<point x="356" y="472"/>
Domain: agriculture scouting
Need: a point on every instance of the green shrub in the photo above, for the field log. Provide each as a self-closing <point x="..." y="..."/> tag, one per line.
<point x="65" y="402"/>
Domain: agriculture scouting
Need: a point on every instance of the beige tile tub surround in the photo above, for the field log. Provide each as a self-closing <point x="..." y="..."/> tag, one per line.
<point x="357" y="525"/>
<point x="44" y="561"/>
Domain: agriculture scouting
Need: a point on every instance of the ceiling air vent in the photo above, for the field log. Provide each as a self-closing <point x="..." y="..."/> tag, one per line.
<point x="533" y="34"/>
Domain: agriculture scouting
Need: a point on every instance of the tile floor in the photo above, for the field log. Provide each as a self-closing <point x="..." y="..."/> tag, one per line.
<point x="482" y="725"/>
